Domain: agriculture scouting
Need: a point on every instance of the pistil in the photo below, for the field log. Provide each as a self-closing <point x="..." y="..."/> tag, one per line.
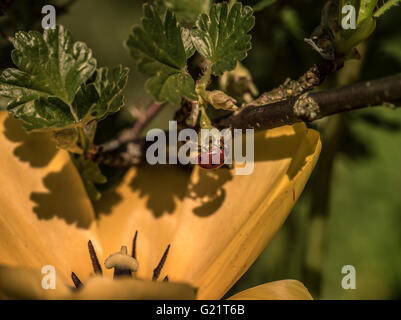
<point x="122" y="263"/>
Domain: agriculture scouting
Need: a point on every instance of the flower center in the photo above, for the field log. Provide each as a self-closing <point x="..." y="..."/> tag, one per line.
<point x="123" y="263"/>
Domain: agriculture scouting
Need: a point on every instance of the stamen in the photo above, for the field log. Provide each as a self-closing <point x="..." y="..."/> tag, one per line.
<point x="134" y="245"/>
<point x="95" y="261"/>
<point x="78" y="284"/>
<point x="156" y="272"/>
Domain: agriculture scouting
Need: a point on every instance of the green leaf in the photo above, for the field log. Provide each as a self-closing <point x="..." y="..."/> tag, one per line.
<point x="96" y="100"/>
<point x="51" y="69"/>
<point x="187" y="41"/>
<point x="222" y="36"/>
<point x="186" y="10"/>
<point x="159" y="50"/>
<point x="90" y="174"/>
<point x="52" y="87"/>
<point x="365" y="10"/>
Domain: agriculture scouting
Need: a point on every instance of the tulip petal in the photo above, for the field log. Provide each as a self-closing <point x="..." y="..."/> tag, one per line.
<point x="46" y="217"/>
<point x="26" y="283"/>
<point x="105" y="288"/>
<point x="226" y="220"/>
<point x="148" y="200"/>
<point x="277" y="290"/>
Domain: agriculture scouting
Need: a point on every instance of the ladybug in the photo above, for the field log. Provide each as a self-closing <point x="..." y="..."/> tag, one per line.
<point x="205" y="159"/>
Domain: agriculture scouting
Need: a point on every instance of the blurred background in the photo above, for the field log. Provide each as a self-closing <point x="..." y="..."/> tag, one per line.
<point x="350" y="211"/>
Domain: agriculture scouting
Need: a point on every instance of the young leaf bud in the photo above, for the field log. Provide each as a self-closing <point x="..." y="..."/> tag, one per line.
<point x="220" y="100"/>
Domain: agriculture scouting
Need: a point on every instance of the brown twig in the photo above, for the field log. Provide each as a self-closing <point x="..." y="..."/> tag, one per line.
<point x="312" y="78"/>
<point x="309" y="107"/>
<point x="133" y="133"/>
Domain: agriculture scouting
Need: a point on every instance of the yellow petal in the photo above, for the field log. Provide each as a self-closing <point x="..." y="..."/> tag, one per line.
<point x="226" y="220"/>
<point x="277" y="290"/>
<point x="148" y="200"/>
<point x="45" y="216"/>
<point x="26" y="283"/>
<point x="105" y="288"/>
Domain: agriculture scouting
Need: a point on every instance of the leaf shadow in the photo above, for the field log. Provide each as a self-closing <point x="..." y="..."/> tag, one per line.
<point x="31" y="148"/>
<point x="105" y="205"/>
<point x="163" y="185"/>
<point x="210" y="190"/>
<point x="48" y="203"/>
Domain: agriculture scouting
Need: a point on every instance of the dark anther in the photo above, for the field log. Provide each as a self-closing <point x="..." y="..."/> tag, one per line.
<point x="95" y="261"/>
<point x="156" y="272"/>
<point x="165" y="279"/>
<point x="78" y="284"/>
<point x="134" y="245"/>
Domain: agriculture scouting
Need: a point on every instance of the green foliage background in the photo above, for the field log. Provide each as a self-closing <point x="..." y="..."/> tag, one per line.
<point x="358" y="220"/>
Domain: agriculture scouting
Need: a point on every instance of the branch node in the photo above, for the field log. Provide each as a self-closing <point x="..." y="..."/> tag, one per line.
<point x="306" y="108"/>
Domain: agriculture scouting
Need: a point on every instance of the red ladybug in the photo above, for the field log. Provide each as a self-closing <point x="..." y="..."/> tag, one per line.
<point x="205" y="159"/>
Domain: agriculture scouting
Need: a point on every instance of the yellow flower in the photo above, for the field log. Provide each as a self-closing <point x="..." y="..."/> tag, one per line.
<point x="216" y="223"/>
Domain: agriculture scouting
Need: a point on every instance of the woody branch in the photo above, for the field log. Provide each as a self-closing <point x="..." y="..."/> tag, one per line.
<point x="309" y="107"/>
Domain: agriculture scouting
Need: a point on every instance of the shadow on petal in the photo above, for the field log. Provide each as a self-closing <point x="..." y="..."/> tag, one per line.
<point x="108" y="201"/>
<point x="164" y="176"/>
<point x="273" y="145"/>
<point x="31" y="148"/>
<point x="209" y="190"/>
<point x="48" y="204"/>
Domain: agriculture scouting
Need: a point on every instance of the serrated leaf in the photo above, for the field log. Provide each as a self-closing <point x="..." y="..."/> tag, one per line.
<point x="159" y="50"/>
<point x="187" y="41"/>
<point x="91" y="175"/>
<point x="222" y="36"/>
<point x="45" y="112"/>
<point x="51" y="65"/>
<point x="385" y="7"/>
<point x="102" y="97"/>
<point x="52" y="89"/>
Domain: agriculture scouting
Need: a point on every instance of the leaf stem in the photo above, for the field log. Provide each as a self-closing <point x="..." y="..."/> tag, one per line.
<point x="82" y="139"/>
<point x="385" y="7"/>
<point x="133" y="132"/>
<point x="204" y="121"/>
<point x="204" y="80"/>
